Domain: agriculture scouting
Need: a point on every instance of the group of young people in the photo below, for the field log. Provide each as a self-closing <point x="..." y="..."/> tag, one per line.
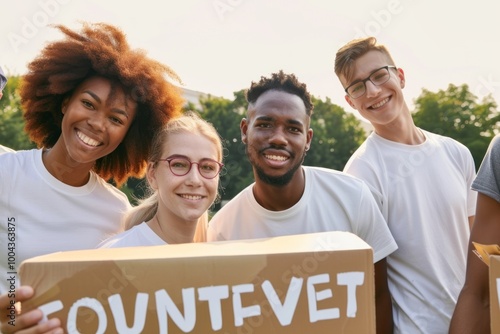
<point x="101" y="111"/>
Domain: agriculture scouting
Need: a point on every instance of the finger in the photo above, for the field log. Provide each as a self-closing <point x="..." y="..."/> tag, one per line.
<point x="21" y="321"/>
<point x="28" y="324"/>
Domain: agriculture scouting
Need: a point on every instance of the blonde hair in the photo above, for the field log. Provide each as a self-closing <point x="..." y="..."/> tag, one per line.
<point x="188" y="122"/>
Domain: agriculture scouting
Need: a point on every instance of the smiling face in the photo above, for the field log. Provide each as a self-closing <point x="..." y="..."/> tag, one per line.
<point x="277" y="136"/>
<point x="96" y="119"/>
<point x="184" y="199"/>
<point x="380" y="105"/>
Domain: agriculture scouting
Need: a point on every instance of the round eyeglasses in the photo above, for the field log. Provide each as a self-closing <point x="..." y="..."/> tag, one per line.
<point x="378" y="77"/>
<point x="208" y="168"/>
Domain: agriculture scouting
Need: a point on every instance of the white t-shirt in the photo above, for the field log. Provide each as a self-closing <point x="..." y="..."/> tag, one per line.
<point x="332" y="201"/>
<point x="425" y="195"/>
<point x="5" y="149"/>
<point x="39" y="214"/>
<point x="139" y="235"/>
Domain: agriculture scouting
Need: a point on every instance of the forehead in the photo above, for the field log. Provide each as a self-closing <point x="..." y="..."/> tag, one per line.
<point x="275" y="103"/>
<point x="195" y="146"/>
<point x="365" y="65"/>
<point x="110" y="92"/>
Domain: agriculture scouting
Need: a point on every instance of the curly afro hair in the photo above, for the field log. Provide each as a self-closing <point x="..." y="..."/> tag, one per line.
<point x="100" y="49"/>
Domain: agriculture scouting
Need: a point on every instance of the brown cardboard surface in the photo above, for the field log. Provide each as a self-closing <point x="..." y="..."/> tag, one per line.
<point x="495" y="293"/>
<point x="311" y="283"/>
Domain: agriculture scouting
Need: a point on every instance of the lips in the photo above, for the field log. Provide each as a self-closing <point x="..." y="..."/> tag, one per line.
<point x="191" y="197"/>
<point x="380" y="104"/>
<point x="275" y="157"/>
<point x="87" y="140"/>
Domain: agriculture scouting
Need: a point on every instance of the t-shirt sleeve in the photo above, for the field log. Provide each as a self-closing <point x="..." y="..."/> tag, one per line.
<point x="487" y="180"/>
<point x="373" y="228"/>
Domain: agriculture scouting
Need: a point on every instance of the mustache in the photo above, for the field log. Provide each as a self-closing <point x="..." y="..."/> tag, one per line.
<point x="277" y="148"/>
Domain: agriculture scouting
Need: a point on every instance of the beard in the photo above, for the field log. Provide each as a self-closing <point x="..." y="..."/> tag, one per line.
<point x="279" y="181"/>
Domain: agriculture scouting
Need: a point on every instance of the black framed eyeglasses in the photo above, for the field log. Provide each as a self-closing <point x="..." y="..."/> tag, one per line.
<point x="208" y="168"/>
<point x="378" y="77"/>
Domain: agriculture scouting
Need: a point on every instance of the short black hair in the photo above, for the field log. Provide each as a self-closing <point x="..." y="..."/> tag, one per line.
<point x="283" y="82"/>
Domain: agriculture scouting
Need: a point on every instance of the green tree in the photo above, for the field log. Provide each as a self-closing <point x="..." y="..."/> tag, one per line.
<point x="226" y="116"/>
<point x="455" y="113"/>
<point x="337" y="134"/>
<point x="11" y="119"/>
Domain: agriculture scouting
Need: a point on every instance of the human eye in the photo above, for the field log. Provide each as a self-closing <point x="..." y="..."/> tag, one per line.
<point x="208" y="166"/>
<point x="87" y="104"/>
<point x="263" y="125"/>
<point x="116" y="120"/>
<point x="380" y="76"/>
<point x="356" y="88"/>
<point x="179" y="164"/>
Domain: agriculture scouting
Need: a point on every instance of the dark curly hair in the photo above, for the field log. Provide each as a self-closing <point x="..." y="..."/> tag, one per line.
<point x="100" y="49"/>
<point x="283" y="82"/>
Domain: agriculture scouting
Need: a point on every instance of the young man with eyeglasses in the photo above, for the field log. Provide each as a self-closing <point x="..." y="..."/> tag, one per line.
<point x="288" y="198"/>
<point x="422" y="183"/>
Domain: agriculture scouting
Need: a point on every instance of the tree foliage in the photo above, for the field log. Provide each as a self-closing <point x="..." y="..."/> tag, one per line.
<point x="11" y="119"/>
<point x="226" y="116"/>
<point x="455" y="113"/>
<point x="336" y="136"/>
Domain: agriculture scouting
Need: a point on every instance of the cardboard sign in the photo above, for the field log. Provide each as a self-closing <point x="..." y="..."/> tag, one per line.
<point x="495" y="293"/>
<point x="311" y="283"/>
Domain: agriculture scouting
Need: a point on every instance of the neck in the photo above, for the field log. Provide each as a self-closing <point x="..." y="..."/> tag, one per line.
<point x="401" y="131"/>
<point x="64" y="169"/>
<point x="173" y="233"/>
<point x="279" y="198"/>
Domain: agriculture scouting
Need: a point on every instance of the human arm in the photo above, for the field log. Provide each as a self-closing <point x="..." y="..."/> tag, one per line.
<point x="472" y="312"/>
<point x="383" y="302"/>
<point x="12" y="321"/>
<point x="471" y="222"/>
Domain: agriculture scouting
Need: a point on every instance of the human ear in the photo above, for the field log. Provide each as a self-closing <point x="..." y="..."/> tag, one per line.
<point x="401" y="76"/>
<point x="348" y="99"/>
<point x="64" y="105"/>
<point x="151" y="175"/>
<point x="244" y="128"/>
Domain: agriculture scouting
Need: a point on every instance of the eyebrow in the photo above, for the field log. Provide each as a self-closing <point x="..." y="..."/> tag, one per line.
<point x="98" y="99"/>
<point x="270" y="119"/>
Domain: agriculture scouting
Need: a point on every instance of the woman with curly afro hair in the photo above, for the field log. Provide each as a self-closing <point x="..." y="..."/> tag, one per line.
<point x="92" y="104"/>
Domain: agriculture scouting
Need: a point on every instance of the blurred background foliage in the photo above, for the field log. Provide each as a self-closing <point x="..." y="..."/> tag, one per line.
<point x="454" y="112"/>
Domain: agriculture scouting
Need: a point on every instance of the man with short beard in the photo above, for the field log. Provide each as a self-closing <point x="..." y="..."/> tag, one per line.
<point x="289" y="198"/>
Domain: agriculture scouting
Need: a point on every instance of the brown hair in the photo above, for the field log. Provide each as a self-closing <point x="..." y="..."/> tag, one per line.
<point x="349" y="53"/>
<point x="100" y="49"/>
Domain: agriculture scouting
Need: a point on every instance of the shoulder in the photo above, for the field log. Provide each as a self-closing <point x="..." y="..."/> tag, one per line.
<point x="110" y="191"/>
<point x="448" y="143"/>
<point x="126" y="238"/>
<point x="5" y="149"/>
<point x="320" y="173"/>
<point x="14" y="161"/>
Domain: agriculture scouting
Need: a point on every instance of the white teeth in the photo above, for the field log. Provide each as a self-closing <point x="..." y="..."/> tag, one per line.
<point x="191" y="197"/>
<point x="380" y="104"/>
<point x="276" y="157"/>
<point x="87" y="140"/>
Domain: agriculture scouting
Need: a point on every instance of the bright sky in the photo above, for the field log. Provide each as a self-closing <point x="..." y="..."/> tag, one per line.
<point x="221" y="46"/>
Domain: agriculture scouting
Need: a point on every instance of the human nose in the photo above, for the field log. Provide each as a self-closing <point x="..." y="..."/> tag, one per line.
<point x="371" y="89"/>
<point x="96" y="121"/>
<point x="278" y="137"/>
<point x="194" y="176"/>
